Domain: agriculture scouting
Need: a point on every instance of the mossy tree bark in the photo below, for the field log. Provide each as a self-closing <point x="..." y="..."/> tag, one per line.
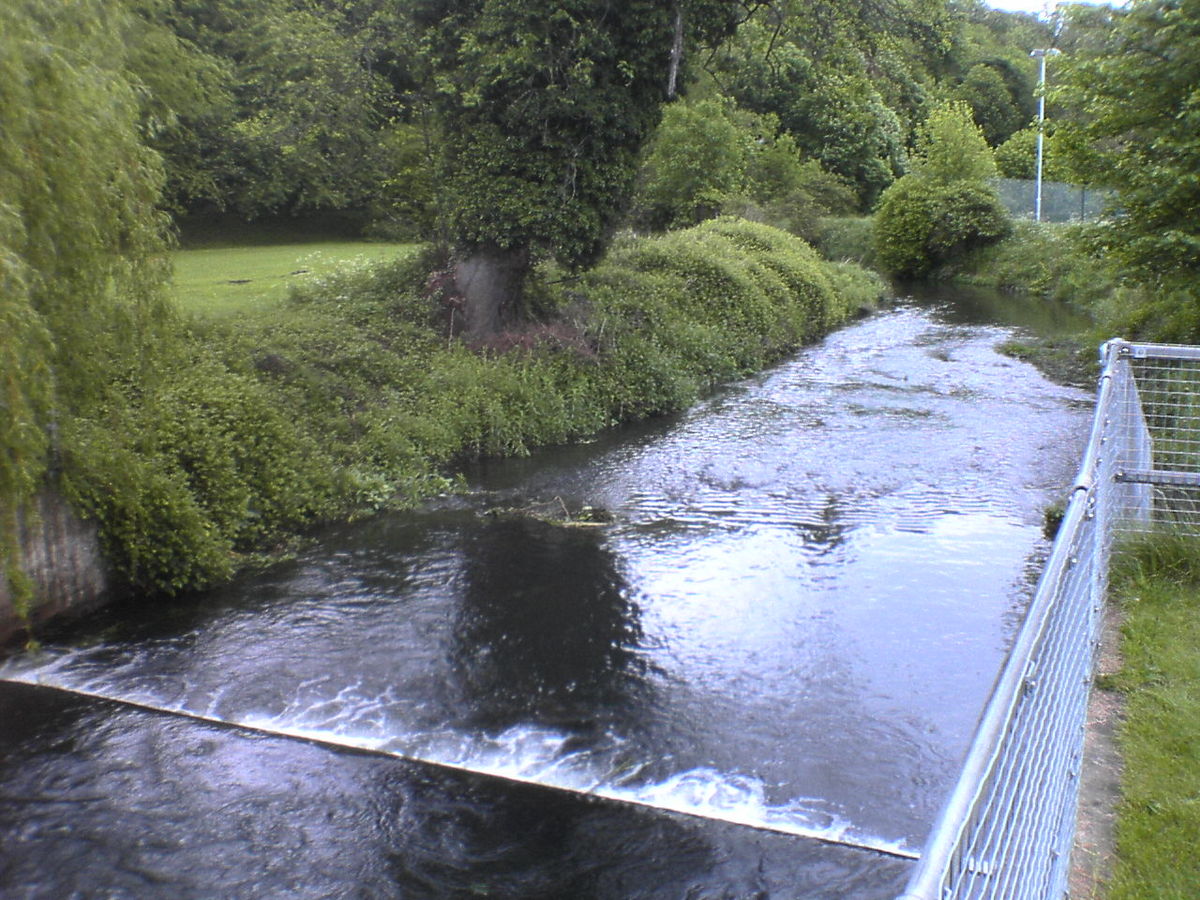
<point x="545" y="107"/>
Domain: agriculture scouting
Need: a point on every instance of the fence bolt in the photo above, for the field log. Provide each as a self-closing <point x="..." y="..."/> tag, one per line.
<point x="984" y="867"/>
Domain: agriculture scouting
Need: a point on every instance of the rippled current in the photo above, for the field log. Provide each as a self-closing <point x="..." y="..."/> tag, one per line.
<point x="756" y="678"/>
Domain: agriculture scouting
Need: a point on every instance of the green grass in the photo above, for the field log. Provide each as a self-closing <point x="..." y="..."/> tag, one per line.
<point x="219" y="281"/>
<point x="1158" y="825"/>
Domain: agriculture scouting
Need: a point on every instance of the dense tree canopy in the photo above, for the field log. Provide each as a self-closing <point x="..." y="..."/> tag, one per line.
<point x="517" y="130"/>
<point x="264" y="107"/>
<point x="287" y="106"/>
<point x="545" y="108"/>
<point x="710" y="156"/>
<point x="847" y="101"/>
<point x="1139" y="99"/>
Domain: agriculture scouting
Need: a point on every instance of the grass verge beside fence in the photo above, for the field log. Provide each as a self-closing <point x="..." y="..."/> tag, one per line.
<point x="1157" y="586"/>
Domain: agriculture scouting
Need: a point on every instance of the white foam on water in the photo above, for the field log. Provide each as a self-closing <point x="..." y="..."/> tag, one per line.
<point x="535" y="756"/>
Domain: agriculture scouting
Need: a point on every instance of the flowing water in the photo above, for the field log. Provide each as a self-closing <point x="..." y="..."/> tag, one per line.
<point x="756" y="677"/>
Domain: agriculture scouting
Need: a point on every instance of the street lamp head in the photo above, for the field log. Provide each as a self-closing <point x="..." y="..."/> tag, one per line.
<point x="1040" y="54"/>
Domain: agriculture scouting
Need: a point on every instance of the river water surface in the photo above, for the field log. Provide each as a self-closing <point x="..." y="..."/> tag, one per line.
<point x="757" y="678"/>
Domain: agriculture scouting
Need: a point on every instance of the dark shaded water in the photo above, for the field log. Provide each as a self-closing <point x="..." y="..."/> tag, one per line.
<point x="786" y="633"/>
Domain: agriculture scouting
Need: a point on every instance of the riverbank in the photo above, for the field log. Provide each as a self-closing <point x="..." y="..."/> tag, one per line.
<point x="355" y="395"/>
<point x="783" y="564"/>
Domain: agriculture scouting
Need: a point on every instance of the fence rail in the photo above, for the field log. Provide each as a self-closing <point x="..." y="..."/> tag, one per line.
<point x="1007" y="829"/>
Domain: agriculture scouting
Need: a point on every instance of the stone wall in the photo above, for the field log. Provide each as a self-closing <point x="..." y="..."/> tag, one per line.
<point x="61" y="554"/>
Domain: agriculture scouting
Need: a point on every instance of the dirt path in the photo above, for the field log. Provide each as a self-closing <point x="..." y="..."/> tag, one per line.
<point x="1091" y="859"/>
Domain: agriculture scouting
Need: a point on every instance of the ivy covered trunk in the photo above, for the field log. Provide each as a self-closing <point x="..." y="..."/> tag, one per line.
<point x="490" y="281"/>
<point x="544" y="108"/>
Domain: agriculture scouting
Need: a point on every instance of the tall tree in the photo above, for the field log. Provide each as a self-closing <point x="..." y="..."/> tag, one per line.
<point x="843" y="79"/>
<point x="1139" y="95"/>
<point x="545" y="107"/>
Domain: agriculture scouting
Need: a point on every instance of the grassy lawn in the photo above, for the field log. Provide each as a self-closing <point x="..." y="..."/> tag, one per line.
<point x="1158" y="824"/>
<point x="218" y="281"/>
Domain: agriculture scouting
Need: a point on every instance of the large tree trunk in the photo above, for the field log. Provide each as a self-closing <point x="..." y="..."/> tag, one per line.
<point x="491" y="281"/>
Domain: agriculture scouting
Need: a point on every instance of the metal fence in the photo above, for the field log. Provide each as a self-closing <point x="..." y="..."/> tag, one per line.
<point x="1061" y="202"/>
<point x="1007" y="829"/>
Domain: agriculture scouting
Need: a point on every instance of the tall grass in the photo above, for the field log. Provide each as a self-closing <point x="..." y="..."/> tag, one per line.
<point x="1157" y="584"/>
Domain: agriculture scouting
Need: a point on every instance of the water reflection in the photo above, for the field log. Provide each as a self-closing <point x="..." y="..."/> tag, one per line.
<point x="100" y="801"/>
<point x="975" y="306"/>
<point x="545" y="628"/>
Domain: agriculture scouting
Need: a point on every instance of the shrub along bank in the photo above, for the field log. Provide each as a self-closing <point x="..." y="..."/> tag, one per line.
<point x="355" y="398"/>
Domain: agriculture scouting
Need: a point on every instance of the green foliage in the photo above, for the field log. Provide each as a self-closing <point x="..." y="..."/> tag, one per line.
<point x="82" y="255"/>
<point x="180" y="454"/>
<point x="921" y="226"/>
<point x="951" y="147"/>
<point x="1055" y="261"/>
<point x="405" y="207"/>
<point x="187" y="98"/>
<point x="705" y="304"/>
<point x="945" y="208"/>
<point x="708" y="156"/>
<point x="848" y="239"/>
<point x="263" y="107"/>
<point x="545" y="108"/>
<point x="1170" y="313"/>
<point x="696" y="161"/>
<point x="829" y="105"/>
<point x="996" y="100"/>
<point x="1017" y="156"/>
<point x="858" y="289"/>
<point x="1137" y="85"/>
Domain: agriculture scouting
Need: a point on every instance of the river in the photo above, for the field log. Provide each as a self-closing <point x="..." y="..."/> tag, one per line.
<point x="756" y="676"/>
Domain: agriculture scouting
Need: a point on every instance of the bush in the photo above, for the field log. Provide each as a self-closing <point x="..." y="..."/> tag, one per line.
<point x="923" y="225"/>
<point x="848" y="239"/>
<point x="944" y="208"/>
<point x="731" y="295"/>
<point x="710" y="157"/>
<point x="1052" y="260"/>
<point x="859" y="289"/>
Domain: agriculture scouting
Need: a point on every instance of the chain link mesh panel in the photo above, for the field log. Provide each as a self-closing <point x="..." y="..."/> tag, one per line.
<point x="1164" y="411"/>
<point x="1007" y="829"/>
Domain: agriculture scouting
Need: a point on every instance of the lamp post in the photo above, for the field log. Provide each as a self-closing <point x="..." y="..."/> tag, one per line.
<point x="1040" y="56"/>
